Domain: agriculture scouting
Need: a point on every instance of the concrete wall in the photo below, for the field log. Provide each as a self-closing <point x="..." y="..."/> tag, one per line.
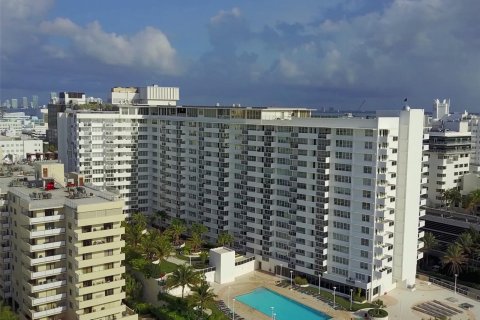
<point x="224" y="262"/>
<point x="244" y="268"/>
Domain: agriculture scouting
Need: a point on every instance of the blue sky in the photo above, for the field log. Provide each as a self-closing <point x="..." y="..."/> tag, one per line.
<point x="283" y="53"/>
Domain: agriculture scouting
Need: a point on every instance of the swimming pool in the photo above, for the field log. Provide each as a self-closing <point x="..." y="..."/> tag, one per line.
<point x="263" y="300"/>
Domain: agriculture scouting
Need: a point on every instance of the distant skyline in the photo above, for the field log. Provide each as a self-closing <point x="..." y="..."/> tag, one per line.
<point x="318" y="54"/>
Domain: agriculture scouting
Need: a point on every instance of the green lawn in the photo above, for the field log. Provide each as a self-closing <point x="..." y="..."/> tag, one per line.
<point x="167" y="266"/>
<point x="340" y="300"/>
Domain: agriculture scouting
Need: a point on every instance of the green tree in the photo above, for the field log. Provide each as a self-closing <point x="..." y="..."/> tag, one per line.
<point x="183" y="276"/>
<point x="465" y="242"/>
<point x="454" y="259"/>
<point x="6" y="313"/>
<point x="163" y="248"/>
<point x="429" y="243"/>
<point x="452" y="197"/>
<point x="225" y="239"/>
<point x="202" y="295"/>
<point x="472" y="200"/>
<point x="134" y="230"/>
<point x="199" y="229"/>
<point x="176" y="229"/>
<point x="133" y="288"/>
<point x="204" y="257"/>
<point x="195" y="242"/>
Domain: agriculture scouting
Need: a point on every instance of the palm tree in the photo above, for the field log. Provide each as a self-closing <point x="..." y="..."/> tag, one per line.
<point x="225" y="239"/>
<point x="162" y="247"/>
<point x="465" y="242"/>
<point x="452" y="197"/>
<point x="472" y="200"/>
<point x="202" y="295"/>
<point x="176" y="229"/>
<point x="134" y="230"/>
<point x="429" y="243"/>
<point x="454" y="259"/>
<point x="133" y="287"/>
<point x="199" y="229"/>
<point x="196" y="242"/>
<point x="183" y="276"/>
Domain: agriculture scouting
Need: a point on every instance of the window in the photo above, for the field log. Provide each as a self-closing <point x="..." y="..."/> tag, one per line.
<point x="364" y="265"/>
<point x="364" y="242"/>
<point x="341" y="237"/>
<point x="340" y="260"/>
<point x="367" y="194"/>
<point x="367" y="170"/>
<point x="87" y="297"/>
<point x="367" y="182"/>
<point x="340" y="248"/>
<point x="341" y="225"/>
<point x="368" y="133"/>
<point x="341" y="214"/>
<point x="367" y="157"/>
<point x="365" y="218"/>
<point x="341" y="190"/>
<point x="343" y="167"/>
<point x="343" y="155"/>
<point x="344" y="132"/>
<point x="341" y="202"/>
<point x="366" y="230"/>
<point x="365" y="206"/>
<point x="344" y="143"/>
<point x="343" y="179"/>
<point x="368" y="145"/>
<point x="364" y="254"/>
<point x="108" y="292"/>
<point x="339" y="271"/>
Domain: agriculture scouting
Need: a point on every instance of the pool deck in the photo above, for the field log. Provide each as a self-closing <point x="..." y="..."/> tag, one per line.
<point x="399" y="301"/>
<point x="250" y="282"/>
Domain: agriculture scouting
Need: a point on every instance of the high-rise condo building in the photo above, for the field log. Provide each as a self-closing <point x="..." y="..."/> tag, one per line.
<point x="61" y="248"/>
<point x="337" y="197"/>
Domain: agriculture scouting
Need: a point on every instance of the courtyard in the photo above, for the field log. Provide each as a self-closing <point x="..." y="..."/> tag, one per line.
<point x="399" y="301"/>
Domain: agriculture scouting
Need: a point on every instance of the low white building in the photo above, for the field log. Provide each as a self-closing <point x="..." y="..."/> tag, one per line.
<point x="17" y="148"/>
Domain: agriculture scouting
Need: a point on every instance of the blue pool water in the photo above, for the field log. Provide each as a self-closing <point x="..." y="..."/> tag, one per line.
<point x="263" y="299"/>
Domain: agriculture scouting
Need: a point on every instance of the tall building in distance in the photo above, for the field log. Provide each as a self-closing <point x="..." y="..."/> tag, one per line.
<point x="63" y="250"/>
<point x="34" y="101"/>
<point x="25" y="102"/>
<point x="14" y="103"/>
<point x="315" y="195"/>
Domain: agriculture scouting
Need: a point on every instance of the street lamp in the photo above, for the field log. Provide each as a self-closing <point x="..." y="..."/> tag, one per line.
<point x="274" y="316"/>
<point x="233" y="310"/>
<point x="319" y="281"/>
<point x="291" y="279"/>
<point x="456" y="275"/>
<point x="351" y="298"/>
<point x="334" y="288"/>
<point x="273" y="313"/>
<point x="228" y="297"/>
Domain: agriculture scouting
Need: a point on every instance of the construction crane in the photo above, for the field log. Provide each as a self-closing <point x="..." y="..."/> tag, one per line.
<point x="361" y="105"/>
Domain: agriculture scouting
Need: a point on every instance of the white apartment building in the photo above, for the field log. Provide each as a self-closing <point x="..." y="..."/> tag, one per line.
<point x="312" y="195"/>
<point x="61" y="248"/>
<point x="17" y="148"/>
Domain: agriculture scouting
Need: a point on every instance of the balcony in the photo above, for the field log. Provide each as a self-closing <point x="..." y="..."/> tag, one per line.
<point x="46" y="233"/>
<point x="38" y="301"/>
<point x="99" y="274"/>
<point x="99" y="246"/>
<point x="47" y="219"/>
<point x="420" y="245"/>
<point x="43" y="274"/>
<point x="47" y="285"/>
<point x="94" y="262"/>
<point x="49" y="259"/>
<point x="47" y="246"/>
<point x="101" y="286"/>
<point x="98" y="313"/>
<point x="100" y="298"/>
<point x="421" y="223"/>
<point x="47" y="312"/>
<point x="100" y="233"/>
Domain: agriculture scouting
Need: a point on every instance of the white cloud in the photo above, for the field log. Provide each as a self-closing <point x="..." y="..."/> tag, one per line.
<point x="149" y="48"/>
<point x="223" y="15"/>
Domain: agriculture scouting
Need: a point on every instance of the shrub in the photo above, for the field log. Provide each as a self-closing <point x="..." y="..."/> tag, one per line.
<point x="378" y="313"/>
<point x="300" y="281"/>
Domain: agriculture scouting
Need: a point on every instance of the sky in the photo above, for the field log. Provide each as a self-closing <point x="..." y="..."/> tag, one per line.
<point x="341" y="54"/>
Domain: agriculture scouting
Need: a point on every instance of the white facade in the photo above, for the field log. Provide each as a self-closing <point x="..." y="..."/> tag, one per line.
<point x="333" y="196"/>
<point x="18" y="148"/>
<point x="441" y="108"/>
